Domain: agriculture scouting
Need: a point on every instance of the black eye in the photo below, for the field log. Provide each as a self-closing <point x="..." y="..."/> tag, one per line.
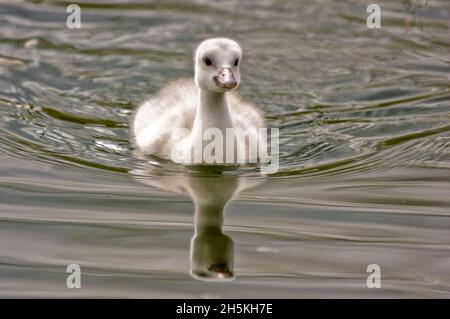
<point x="208" y="61"/>
<point x="236" y="62"/>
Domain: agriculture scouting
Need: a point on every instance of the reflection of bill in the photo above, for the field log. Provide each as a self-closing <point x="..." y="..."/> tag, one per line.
<point x="212" y="251"/>
<point x="237" y="147"/>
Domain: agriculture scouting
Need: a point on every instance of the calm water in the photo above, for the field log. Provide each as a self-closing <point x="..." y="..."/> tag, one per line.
<point x="365" y="152"/>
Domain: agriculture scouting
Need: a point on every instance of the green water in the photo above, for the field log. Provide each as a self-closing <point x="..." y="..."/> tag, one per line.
<point x="364" y="140"/>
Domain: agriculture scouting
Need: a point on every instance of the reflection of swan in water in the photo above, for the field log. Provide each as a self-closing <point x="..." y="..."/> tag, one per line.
<point x="212" y="251"/>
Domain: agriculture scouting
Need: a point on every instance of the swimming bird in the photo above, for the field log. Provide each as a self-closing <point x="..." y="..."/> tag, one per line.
<point x="187" y="118"/>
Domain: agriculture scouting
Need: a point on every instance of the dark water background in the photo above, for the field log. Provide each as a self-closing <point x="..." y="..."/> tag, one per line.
<point x="365" y="149"/>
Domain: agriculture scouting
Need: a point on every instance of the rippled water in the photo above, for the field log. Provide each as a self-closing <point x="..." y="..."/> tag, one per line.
<point x="365" y="157"/>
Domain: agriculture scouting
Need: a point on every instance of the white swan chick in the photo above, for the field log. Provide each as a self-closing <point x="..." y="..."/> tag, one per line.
<point x="188" y="113"/>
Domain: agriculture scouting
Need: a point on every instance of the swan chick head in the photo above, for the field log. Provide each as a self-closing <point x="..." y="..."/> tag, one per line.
<point x="217" y="63"/>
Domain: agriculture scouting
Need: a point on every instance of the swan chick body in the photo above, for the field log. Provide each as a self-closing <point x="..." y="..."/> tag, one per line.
<point x="174" y="122"/>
